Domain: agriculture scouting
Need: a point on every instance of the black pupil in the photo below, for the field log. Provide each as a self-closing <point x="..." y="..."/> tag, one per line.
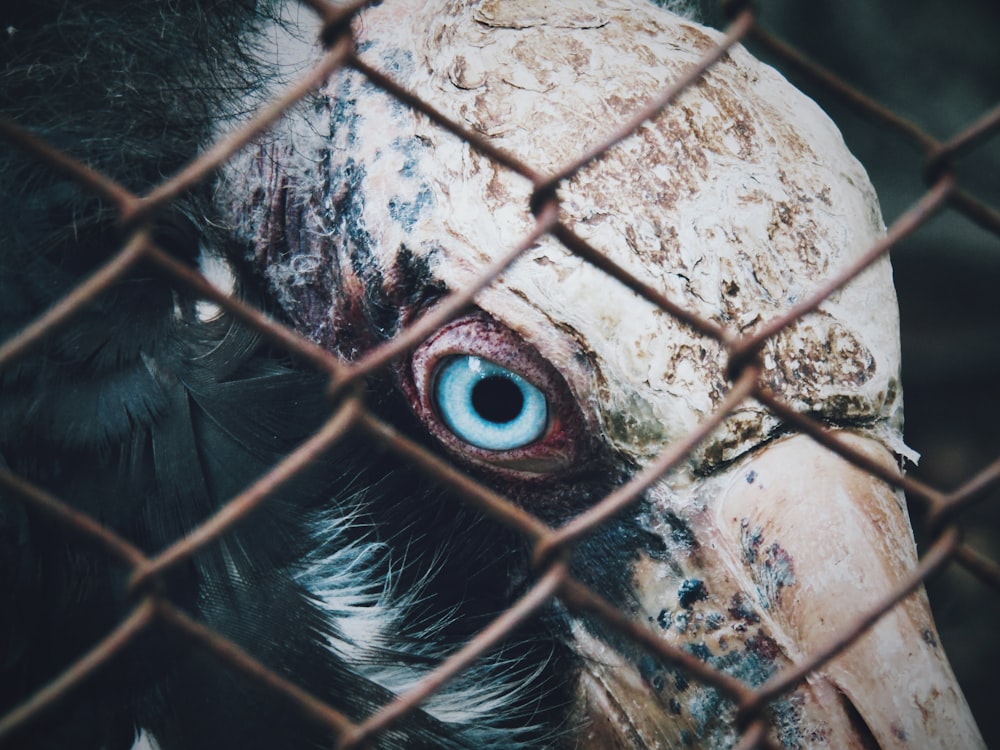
<point x="497" y="399"/>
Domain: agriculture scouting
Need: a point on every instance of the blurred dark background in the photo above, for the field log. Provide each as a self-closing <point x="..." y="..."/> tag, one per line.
<point x="938" y="65"/>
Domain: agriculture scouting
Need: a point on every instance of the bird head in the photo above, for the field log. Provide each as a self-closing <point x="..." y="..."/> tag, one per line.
<point x="754" y="547"/>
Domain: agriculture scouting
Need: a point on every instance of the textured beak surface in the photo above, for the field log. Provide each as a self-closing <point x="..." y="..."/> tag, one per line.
<point x="780" y="554"/>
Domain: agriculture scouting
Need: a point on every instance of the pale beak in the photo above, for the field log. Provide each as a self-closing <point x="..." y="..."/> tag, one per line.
<point x="786" y="550"/>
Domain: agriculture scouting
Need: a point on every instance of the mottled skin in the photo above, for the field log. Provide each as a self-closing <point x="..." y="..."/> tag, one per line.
<point x="737" y="201"/>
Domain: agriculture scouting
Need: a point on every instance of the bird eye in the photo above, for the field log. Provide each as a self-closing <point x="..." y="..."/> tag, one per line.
<point x="489" y="406"/>
<point x="493" y="400"/>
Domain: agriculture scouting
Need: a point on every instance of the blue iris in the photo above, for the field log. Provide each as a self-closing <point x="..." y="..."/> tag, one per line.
<point x="488" y="405"/>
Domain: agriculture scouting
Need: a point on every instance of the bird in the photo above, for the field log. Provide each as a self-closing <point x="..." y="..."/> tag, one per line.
<point x="354" y="216"/>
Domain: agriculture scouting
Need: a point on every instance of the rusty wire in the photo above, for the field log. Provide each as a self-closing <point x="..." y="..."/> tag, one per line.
<point x="549" y="545"/>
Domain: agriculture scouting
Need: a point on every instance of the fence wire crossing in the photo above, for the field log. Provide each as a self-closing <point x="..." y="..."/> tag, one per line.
<point x="550" y="545"/>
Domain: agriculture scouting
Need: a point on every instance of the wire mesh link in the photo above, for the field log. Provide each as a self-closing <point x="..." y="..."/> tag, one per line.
<point x="307" y="705"/>
<point x="71" y="679"/>
<point x="350" y="413"/>
<point x="537" y="596"/>
<point x="257" y="493"/>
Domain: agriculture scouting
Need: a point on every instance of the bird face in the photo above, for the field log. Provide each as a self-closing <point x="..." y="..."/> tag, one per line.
<point x="560" y="383"/>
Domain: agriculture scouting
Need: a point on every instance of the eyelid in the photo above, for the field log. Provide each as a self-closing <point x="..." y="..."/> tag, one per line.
<point x="479" y="335"/>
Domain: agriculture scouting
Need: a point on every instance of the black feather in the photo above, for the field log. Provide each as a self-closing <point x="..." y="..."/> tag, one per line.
<point x="148" y="418"/>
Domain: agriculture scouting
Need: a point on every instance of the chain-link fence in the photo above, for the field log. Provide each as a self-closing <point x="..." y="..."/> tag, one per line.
<point x="942" y="504"/>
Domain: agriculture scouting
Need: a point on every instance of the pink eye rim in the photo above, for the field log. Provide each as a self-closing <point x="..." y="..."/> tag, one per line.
<point x="558" y="450"/>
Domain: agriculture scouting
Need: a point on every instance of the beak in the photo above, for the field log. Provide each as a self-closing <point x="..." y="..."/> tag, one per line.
<point x="768" y="562"/>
